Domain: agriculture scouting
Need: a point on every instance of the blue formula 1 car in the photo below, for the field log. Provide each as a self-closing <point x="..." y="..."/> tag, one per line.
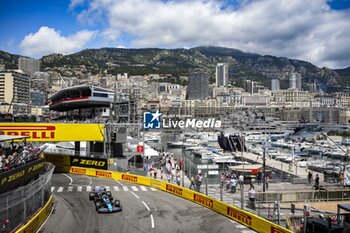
<point x="104" y="201"/>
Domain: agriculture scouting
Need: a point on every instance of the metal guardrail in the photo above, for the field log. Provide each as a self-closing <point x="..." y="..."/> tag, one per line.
<point x="303" y="196"/>
<point x="20" y="204"/>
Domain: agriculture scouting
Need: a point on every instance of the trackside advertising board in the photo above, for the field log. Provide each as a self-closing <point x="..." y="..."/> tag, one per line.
<point x="47" y="132"/>
<point x="66" y="160"/>
<point x="244" y="217"/>
<point x="20" y="175"/>
<point x="34" y="224"/>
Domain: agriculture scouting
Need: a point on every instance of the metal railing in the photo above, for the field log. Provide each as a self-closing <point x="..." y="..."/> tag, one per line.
<point x="18" y="205"/>
<point x="303" y="196"/>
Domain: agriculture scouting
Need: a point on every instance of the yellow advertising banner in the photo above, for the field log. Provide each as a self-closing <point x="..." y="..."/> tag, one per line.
<point x="59" y="132"/>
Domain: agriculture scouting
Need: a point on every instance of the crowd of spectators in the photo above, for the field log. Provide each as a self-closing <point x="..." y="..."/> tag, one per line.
<point x="168" y="167"/>
<point x="16" y="155"/>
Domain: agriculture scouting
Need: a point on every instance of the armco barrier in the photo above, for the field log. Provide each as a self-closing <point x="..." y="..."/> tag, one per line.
<point x="246" y="218"/>
<point x="34" y="224"/>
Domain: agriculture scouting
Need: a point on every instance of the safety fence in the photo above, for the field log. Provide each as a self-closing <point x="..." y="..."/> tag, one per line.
<point x="303" y="196"/>
<point x="241" y="216"/>
<point x="19" y="205"/>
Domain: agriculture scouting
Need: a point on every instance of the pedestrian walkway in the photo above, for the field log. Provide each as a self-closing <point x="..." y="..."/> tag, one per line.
<point x="297" y="171"/>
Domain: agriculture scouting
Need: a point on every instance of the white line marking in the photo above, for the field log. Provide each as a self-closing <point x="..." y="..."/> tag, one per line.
<point x="89" y="180"/>
<point x="146" y="206"/>
<point x="116" y="188"/>
<point x="247" y="231"/>
<point x="134" y="188"/>
<point x="45" y="220"/>
<point x="152" y="221"/>
<point x="52" y="188"/>
<point x="119" y="183"/>
<point x="80" y="188"/>
<point x="153" y="189"/>
<point x="143" y="188"/>
<point x="60" y="189"/>
<point x="107" y="188"/>
<point x="134" y="194"/>
<point x="241" y="226"/>
<point x="70" y="188"/>
<point x="70" y="178"/>
<point x="88" y="188"/>
<point x="125" y="188"/>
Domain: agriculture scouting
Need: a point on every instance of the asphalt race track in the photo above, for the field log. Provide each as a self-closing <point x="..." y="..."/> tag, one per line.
<point x="144" y="210"/>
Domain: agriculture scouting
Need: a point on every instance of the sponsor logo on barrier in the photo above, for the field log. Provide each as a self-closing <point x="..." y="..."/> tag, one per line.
<point x="237" y="215"/>
<point x="36" y="167"/>
<point x="129" y="178"/>
<point x="33" y="131"/>
<point x="174" y="189"/>
<point x="78" y="161"/>
<point x="203" y="200"/>
<point x="33" y="226"/>
<point x="275" y="230"/>
<point x="88" y="162"/>
<point x="104" y="174"/>
<point x="13" y="177"/>
<point x="78" y="171"/>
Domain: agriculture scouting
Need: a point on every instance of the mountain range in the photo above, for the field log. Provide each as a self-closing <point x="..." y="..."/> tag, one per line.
<point x="177" y="62"/>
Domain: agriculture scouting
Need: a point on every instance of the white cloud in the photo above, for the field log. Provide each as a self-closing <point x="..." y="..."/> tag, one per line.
<point x="75" y="3"/>
<point x="48" y="40"/>
<point x="308" y="30"/>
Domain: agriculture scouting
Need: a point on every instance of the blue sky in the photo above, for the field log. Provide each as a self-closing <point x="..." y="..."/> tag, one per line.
<point x="317" y="31"/>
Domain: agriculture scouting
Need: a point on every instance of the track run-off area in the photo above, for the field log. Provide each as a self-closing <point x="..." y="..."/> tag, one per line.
<point x="145" y="209"/>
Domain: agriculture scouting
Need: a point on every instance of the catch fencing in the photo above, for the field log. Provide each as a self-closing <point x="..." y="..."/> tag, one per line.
<point x="19" y="205"/>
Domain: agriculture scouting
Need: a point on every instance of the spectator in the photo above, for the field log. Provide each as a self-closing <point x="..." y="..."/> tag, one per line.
<point x="267" y="182"/>
<point x="259" y="176"/>
<point x="251" y="195"/>
<point x="317" y="182"/>
<point x="199" y="179"/>
<point x="192" y="182"/>
<point x="309" y="178"/>
<point x="241" y="181"/>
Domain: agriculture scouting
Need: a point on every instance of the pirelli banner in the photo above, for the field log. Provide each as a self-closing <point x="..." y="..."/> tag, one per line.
<point x="20" y="175"/>
<point x="46" y="132"/>
<point x="241" y="216"/>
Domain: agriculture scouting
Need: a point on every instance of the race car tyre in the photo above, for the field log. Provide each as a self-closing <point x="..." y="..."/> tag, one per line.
<point x="91" y="196"/>
<point x="98" y="206"/>
<point x="109" y="194"/>
<point x="117" y="203"/>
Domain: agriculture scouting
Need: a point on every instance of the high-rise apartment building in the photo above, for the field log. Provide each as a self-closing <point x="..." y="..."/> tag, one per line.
<point x="275" y="85"/>
<point x="14" y="87"/>
<point x="221" y="75"/>
<point x="28" y="65"/>
<point x="198" y="85"/>
<point x="295" y="81"/>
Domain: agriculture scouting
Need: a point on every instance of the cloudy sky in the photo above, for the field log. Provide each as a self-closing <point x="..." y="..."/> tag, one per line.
<point x="313" y="30"/>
